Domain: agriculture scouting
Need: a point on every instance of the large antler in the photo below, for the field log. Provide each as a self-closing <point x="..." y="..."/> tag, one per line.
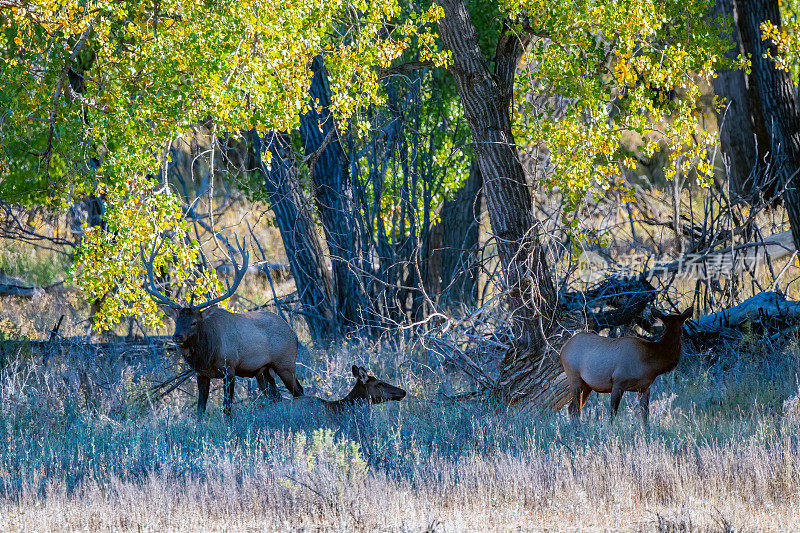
<point x="151" y="288"/>
<point x="159" y="297"/>
<point x="239" y="273"/>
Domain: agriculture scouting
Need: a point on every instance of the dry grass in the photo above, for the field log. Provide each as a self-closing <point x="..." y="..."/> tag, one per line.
<point x="82" y="447"/>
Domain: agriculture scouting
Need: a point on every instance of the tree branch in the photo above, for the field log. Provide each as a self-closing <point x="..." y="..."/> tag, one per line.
<point x="404" y="68"/>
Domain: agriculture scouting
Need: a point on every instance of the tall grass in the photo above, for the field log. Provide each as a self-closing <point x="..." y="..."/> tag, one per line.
<point x="83" y="445"/>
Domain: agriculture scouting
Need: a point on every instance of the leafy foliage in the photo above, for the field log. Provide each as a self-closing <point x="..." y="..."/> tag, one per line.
<point x="94" y="91"/>
<point x="786" y="38"/>
<point x="599" y="69"/>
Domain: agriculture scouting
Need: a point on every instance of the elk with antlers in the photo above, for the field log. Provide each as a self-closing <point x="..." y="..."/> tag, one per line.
<point x="219" y="344"/>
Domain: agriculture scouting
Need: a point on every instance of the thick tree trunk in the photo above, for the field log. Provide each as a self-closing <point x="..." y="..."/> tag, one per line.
<point x="334" y="198"/>
<point x="743" y="134"/>
<point x="459" y="226"/>
<point x="779" y="103"/>
<point x="298" y="232"/>
<point x="530" y="371"/>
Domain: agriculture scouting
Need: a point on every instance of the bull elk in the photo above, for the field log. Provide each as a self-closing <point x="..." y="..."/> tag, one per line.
<point x="219" y="344"/>
<point x="600" y="364"/>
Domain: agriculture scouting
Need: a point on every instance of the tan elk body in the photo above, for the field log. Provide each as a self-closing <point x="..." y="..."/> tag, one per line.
<point x="367" y="390"/>
<point x="601" y="364"/>
<point x="219" y="344"/>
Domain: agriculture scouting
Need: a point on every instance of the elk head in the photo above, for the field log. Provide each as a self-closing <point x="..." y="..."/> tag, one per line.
<point x="186" y="322"/>
<point x="673" y="322"/>
<point x="372" y="389"/>
<point x="187" y="318"/>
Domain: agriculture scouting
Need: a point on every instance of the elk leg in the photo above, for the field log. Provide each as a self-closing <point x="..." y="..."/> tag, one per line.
<point x="289" y="379"/>
<point x="616" y="397"/>
<point x="644" y="404"/>
<point x="579" y="395"/>
<point x="267" y="385"/>
<point x="574" y="406"/>
<point x="230" y="384"/>
<point x="587" y="390"/>
<point x="203" y="385"/>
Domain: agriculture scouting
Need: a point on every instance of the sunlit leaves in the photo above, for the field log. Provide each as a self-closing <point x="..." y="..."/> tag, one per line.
<point x="785" y="38"/>
<point x="600" y="69"/>
<point x="150" y="72"/>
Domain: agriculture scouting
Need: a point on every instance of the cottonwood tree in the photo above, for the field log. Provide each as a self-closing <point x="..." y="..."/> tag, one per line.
<point x="776" y="95"/>
<point x="158" y="68"/>
<point x="613" y="62"/>
<point x="298" y="231"/>
<point x="153" y="70"/>
<point x="744" y="137"/>
<point x="760" y="111"/>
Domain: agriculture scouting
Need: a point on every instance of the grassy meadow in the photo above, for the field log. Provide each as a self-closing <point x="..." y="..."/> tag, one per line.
<point x="84" y="446"/>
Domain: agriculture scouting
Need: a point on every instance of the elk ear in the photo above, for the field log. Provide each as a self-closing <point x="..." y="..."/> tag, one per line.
<point x="657" y="314"/>
<point x="355" y="370"/>
<point x="361" y="373"/>
<point x="168" y="310"/>
<point x="686" y="315"/>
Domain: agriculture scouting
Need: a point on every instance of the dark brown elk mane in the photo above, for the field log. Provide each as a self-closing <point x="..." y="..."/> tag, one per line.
<point x="665" y="353"/>
<point x="202" y="348"/>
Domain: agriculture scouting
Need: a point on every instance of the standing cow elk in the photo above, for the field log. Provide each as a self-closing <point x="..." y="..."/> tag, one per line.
<point x="219" y="344"/>
<point x="600" y="364"/>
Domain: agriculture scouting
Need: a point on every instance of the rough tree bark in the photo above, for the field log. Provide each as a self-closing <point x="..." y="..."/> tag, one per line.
<point x="530" y="371"/>
<point x="743" y="133"/>
<point x="779" y="103"/>
<point x="459" y="239"/>
<point x="298" y="232"/>
<point x="334" y="198"/>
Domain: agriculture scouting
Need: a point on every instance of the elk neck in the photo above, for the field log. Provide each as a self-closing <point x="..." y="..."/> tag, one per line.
<point x="200" y="349"/>
<point x="356" y="396"/>
<point x="665" y="353"/>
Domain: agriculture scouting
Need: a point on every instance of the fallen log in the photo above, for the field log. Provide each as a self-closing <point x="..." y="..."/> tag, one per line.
<point x="730" y="260"/>
<point x="614" y="302"/>
<point x="119" y="345"/>
<point x="15" y="287"/>
<point x="759" y="308"/>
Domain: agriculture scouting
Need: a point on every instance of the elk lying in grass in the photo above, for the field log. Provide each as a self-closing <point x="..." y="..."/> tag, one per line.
<point x="600" y="364"/>
<point x="219" y="344"/>
<point x="367" y="391"/>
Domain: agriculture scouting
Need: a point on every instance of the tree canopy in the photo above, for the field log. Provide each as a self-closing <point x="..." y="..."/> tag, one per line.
<point x="93" y="92"/>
